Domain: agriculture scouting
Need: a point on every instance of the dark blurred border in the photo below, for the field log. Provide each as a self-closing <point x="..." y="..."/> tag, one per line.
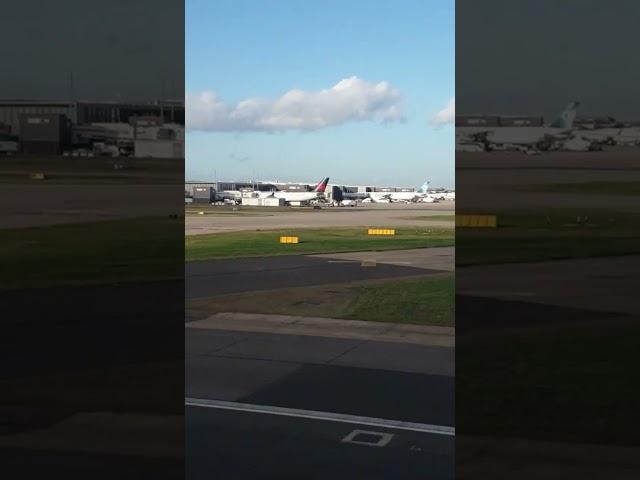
<point x="92" y="292"/>
<point x="547" y="305"/>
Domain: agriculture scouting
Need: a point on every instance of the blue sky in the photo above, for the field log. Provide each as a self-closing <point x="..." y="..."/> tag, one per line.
<point x="362" y="131"/>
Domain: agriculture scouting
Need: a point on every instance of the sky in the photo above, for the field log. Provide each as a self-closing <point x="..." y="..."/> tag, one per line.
<point x="360" y="91"/>
<point x="536" y="56"/>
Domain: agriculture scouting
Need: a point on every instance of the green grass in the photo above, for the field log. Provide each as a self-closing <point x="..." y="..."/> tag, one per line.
<point x="326" y="240"/>
<point x="427" y="301"/>
<point x="571" y="383"/>
<point x="550" y="234"/>
<point x="424" y="301"/>
<point x="97" y="252"/>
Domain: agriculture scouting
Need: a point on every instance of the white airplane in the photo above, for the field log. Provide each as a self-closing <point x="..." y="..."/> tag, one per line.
<point x="316" y="194"/>
<point x="440" y="195"/>
<point x="430" y="197"/>
<point x="629" y="136"/>
<point x="420" y="195"/>
<point x="519" y="138"/>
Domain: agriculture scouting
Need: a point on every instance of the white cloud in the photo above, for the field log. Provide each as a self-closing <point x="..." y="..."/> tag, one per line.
<point x="351" y="99"/>
<point x="446" y="115"/>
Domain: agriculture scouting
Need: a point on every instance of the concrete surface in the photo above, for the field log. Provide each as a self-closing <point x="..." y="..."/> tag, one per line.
<point x="381" y="215"/>
<point x="436" y="258"/>
<point x="327" y="327"/>
<point x="375" y="379"/>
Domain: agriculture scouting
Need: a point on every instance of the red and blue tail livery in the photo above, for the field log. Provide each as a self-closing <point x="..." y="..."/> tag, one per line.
<point x="321" y="187"/>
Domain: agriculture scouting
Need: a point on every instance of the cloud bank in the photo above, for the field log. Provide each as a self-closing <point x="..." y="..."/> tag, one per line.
<point x="446" y="115"/>
<point x="351" y="99"/>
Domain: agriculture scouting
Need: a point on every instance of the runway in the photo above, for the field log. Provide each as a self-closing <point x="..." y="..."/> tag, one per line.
<point x="337" y="377"/>
<point x="251" y="445"/>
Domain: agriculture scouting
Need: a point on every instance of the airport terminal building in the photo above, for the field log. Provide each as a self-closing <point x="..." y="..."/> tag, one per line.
<point x="154" y="129"/>
<point x="200" y="192"/>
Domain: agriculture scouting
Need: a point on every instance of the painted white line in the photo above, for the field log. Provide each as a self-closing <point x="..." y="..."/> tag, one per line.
<point x="326" y="416"/>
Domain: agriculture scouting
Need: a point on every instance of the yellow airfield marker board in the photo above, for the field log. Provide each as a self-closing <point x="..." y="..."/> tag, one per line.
<point x="476" y="221"/>
<point x="381" y="231"/>
<point x="289" y="240"/>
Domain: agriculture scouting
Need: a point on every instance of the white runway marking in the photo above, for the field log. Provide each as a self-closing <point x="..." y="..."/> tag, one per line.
<point x="382" y="439"/>
<point x="326" y="416"/>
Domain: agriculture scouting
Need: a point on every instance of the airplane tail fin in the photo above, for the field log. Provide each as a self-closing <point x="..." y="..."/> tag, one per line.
<point x="424" y="187"/>
<point x="320" y="187"/>
<point x="565" y="120"/>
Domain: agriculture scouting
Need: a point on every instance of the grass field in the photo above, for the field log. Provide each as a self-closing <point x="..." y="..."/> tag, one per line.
<point x="550" y="234"/>
<point x="424" y="301"/>
<point x="560" y="383"/>
<point x="326" y="240"/>
<point x="97" y="252"/>
<point x="428" y="301"/>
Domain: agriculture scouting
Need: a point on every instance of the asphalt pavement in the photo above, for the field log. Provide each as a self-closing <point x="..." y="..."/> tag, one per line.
<point x="238" y="445"/>
<point x="214" y="277"/>
<point x="394" y="382"/>
<point x="379" y="384"/>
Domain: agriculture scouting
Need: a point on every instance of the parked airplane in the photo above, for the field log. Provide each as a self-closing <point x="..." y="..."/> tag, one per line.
<point x="450" y="195"/>
<point x="497" y="138"/>
<point x="437" y="195"/>
<point x="316" y="194"/>
<point x="236" y="195"/>
<point x="629" y="136"/>
<point x="420" y="195"/>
